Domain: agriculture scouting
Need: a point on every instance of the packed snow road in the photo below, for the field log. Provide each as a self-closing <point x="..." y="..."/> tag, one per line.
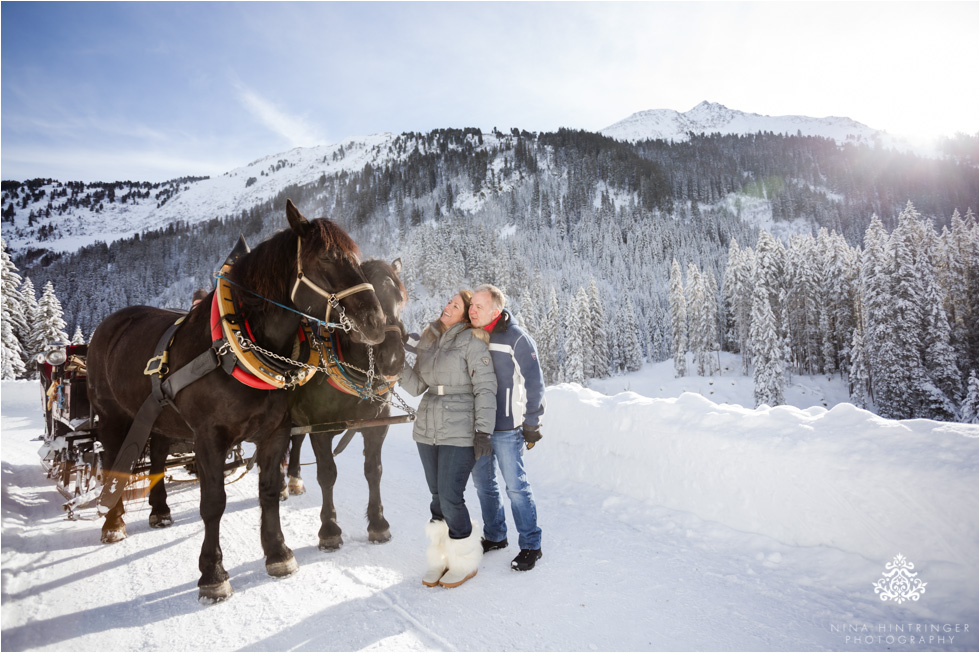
<point x="622" y="570"/>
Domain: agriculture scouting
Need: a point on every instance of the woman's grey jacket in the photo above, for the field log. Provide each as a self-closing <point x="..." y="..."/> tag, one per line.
<point x="455" y="371"/>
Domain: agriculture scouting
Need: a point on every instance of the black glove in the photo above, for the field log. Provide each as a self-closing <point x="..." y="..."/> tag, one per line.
<point x="481" y="444"/>
<point x="531" y="435"/>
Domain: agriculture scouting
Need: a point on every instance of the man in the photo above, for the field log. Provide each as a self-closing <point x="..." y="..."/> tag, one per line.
<point x="520" y="405"/>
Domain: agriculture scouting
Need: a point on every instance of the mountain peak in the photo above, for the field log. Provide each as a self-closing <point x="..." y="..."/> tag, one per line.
<point x="710" y="117"/>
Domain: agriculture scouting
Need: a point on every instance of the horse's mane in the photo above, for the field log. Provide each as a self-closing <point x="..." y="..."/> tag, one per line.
<point x="268" y="270"/>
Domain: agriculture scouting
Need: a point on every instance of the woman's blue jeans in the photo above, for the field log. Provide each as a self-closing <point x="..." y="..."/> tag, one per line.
<point x="507" y="446"/>
<point x="446" y="471"/>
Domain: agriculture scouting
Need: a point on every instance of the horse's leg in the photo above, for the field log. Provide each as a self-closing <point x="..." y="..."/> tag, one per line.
<point x="374" y="438"/>
<point x="112" y="432"/>
<point x="159" y="510"/>
<point x="209" y="456"/>
<point x="326" y="475"/>
<point x="295" y="484"/>
<point x="279" y="560"/>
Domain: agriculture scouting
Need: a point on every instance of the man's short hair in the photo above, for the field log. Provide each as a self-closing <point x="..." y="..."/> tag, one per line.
<point x="496" y="295"/>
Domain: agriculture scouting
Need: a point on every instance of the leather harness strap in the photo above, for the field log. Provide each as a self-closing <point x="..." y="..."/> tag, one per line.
<point x="162" y="394"/>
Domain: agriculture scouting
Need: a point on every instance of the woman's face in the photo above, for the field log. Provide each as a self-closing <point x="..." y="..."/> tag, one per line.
<point x="453" y="312"/>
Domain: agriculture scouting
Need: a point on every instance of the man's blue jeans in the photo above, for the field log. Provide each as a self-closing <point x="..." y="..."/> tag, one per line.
<point x="446" y="471"/>
<point x="507" y="446"/>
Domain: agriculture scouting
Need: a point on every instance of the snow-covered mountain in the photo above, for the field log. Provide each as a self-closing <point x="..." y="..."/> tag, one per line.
<point x="61" y="216"/>
<point x="711" y="117"/>
<point x="189" y="201"/>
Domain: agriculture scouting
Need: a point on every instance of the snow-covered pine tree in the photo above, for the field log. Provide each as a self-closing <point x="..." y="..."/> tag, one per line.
<point x="970" y="406"/>
<point x="11" y="360"/>
<point x="770" y="272"/>
<point x="598" y="364"/>
<point x="858" y="378"/>
<point x="899" y="378"/>
<point x="630" y="351"/>
<point x="78" y="338"/>
<point x="943" y="388"/>
<point x="962" y="256"/>
<point x="697" y="318"/>
<point x="875" y="296"/>
<point x="678" y="320"/>
<point x="802" y="306"/>
<point x="739" y="290"/>
<point x="577" y="350"/>
<point x="16" y="330"/>
<point x="841" y="269"/>
<point x="551" y="343"/>
<point x="769" y="375"/>
<point x="31" y="312"/>
<point x="711" y="327"/>
<point x="50" y="323"/>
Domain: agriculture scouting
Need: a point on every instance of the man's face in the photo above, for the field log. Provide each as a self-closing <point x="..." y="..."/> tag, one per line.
<point x="482" y="311"/>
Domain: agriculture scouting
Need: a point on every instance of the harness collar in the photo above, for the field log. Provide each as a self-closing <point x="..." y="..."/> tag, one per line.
<point x="341" y="380"/>
<point x="250" y="369"/>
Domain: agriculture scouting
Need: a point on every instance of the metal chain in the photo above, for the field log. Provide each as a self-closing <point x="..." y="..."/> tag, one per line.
<point x="345" y="324"/>
<point x="371" y="392"/>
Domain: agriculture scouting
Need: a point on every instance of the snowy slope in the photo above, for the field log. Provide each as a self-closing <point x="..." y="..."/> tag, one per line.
<point x="670" y="523"/>
<point x="711" y="117"/>
<point x="197" y="201"/>
<point x="194" y="201"/>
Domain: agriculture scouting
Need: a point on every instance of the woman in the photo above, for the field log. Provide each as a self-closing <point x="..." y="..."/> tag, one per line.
<point x="452" y="429"/>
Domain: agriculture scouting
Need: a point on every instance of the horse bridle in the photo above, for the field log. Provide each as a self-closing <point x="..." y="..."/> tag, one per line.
<point x="333" y="299"/>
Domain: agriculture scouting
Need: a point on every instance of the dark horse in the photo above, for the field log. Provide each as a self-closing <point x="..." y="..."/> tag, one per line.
<point x="218" y="411"/>
<point x="320" y="402"/>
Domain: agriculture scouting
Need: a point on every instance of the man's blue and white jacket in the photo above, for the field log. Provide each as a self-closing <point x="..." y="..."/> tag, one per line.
<point x="520" y="383"/>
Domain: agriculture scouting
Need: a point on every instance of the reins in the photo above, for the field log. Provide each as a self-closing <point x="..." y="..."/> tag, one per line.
<point x="344" y="325"/>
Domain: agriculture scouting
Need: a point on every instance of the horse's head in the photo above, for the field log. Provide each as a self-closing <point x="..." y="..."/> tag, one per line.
<point x="329" y="278"/>
<point x="392" y="294"/>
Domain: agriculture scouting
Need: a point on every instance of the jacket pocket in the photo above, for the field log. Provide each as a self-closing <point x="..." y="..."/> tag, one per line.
<point x="459" y="416"/>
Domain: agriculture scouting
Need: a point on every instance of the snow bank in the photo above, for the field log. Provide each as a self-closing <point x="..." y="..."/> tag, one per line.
<point x="842" y="478"/>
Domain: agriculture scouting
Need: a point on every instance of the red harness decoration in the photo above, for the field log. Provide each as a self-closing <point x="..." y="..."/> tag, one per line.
<point x="239" y="372"/>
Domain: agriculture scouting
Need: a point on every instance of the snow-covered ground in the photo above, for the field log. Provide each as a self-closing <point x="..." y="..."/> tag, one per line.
<point x="672" y="521"/>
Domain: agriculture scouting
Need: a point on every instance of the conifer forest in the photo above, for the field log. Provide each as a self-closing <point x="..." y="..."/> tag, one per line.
<point x="803" y="255"/>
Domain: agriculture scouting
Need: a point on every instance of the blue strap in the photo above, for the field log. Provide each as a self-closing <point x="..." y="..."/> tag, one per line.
<point x="326" y="325"/>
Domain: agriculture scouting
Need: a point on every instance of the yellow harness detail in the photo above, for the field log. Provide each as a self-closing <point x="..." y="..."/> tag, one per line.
<point x="247" y="359"/>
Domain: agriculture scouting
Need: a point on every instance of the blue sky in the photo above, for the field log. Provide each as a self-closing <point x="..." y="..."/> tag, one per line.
<point x="152" y="91"/>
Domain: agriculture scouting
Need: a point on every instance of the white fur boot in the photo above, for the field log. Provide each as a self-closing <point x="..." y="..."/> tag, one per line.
<point x="435" y="555"/>
<point x="464" y="559"/>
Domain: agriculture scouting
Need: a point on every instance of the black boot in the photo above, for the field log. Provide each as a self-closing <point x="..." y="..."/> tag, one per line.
<point x="525" y="560"/>
<point x="490" y="545"/>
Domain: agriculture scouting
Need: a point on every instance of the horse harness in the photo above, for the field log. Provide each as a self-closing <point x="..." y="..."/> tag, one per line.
<point x="241" y="358"/>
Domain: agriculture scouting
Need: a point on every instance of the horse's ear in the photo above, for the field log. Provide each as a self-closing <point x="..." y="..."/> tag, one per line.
<point x="297" y="221"/>
<point x="396" y="265"/>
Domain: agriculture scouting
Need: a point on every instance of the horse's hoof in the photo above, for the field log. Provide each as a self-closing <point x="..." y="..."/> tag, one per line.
<point x="379" y="537"/>
<point x="282" y="569"/>
<point x="211" y="594"/>
<point x="113" y="536"/>
<point x="331" y="543"/>
<point x="284" y="493"/>
<point x="161" y="521"/>
<point x="296" y="485"/>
